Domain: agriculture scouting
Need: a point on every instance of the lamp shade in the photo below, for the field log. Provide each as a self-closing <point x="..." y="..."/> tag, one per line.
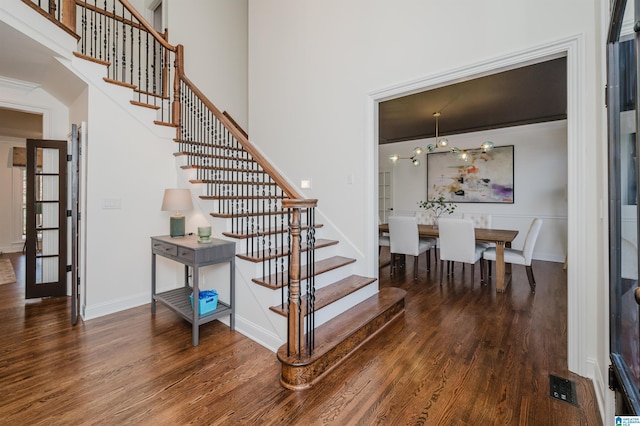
<point x="176" y="199"/>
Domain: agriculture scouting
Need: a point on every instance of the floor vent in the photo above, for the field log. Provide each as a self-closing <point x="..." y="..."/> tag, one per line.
<point x="563" y="389"/>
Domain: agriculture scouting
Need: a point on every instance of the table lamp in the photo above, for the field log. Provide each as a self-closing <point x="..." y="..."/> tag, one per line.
<point x="177" y="199"/>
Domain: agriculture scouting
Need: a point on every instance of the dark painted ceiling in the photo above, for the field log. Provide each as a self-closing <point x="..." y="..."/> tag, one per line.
<point x="531" y="94"/>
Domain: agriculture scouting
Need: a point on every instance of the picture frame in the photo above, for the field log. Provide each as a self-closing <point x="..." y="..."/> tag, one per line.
<point x="485" y="177"/>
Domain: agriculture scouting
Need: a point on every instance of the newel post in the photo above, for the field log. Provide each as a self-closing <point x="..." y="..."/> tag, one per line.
<point x="295" y="320"/>
<point x="69" y="14"/>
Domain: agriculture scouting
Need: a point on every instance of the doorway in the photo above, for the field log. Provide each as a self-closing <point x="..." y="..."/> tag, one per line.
<point x="577" y="204"/>
<point x="46" y="219"/>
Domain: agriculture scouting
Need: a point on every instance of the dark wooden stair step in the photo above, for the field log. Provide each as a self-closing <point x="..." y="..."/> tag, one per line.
<point x="144" y="105"/>
<point x="210" y="145"/>
<point x="119" y="83"/>
<point x="213" y="156"/>
<point x="277" y="280"/>
<point x="329" y="294"/>
<point x="164" y="123"/>
<point x="90" y="58"/>
<point x="255" y="234"/>
<point x="248" y="214"/>
<point x="243" y="197"/>
<point x="232" y="182"/>
<point x="338" y="338"/>
<point x="277" y="252"/>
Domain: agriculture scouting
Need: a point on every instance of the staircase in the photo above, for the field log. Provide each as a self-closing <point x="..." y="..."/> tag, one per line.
<point x="328" y="310"/>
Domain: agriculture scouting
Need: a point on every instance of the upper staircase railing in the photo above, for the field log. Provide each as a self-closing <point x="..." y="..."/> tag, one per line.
<point x="275" y="222"/>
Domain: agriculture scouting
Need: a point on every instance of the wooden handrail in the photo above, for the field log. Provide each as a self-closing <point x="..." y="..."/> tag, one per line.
<point x="226" y="114"/>
<point x="288" y="189"/>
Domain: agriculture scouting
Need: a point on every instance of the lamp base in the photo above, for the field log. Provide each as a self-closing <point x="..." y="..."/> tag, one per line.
<point x="176" y="226"/>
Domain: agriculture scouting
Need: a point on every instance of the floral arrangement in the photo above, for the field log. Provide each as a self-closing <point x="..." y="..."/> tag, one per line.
<point x="438" y="205"/>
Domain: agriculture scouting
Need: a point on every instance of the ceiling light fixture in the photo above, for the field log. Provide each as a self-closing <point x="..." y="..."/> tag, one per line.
<point x="440" y="143"/>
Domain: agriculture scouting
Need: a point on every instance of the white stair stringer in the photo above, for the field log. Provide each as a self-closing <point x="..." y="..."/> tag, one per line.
<point x="94" y="74"/>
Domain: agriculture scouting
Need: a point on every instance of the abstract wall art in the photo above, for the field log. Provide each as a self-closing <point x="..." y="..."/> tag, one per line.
<point x="485" y="177"/>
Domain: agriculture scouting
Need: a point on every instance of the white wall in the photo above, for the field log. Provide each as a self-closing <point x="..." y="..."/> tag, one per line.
<point x="540" y="178"/>
<point x="214" y="34"/>
<point x="127" y="162"/>
<point x="315" y="67"/>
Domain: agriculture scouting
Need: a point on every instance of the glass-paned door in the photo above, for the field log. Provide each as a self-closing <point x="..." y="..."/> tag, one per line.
<point x="622" y="102"/>
<point x="46" y="254"/>
<point x="385" y="196"/>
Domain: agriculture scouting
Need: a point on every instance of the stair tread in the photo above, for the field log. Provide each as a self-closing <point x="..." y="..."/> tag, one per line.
<point x="330" y="293"/>
<point x="242" y="197"/>
<point x="320" y="267"/>
<point x="283" y="251"/>
<point x="220" y="168"/>
<point x="210" y="145"/>
<point x="233" y="182"/>
<point x="144" y="105"/>
<point x="255" y="234"/>
<point x="215" y="156"/>
<point x="249" y="214"/>
<point x="335" y="331"/>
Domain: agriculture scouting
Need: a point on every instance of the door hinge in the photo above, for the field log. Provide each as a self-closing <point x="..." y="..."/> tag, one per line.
<point x="69" y="212"/>
<point x="69" y="157"/>
<point x="69" y="268"/>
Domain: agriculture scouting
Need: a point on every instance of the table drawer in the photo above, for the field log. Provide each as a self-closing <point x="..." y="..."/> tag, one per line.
<point x="187" y="254"/>
<point x="164" y="248"/>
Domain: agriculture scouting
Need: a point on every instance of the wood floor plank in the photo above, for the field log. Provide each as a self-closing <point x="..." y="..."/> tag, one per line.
<point x="460" y="354"/>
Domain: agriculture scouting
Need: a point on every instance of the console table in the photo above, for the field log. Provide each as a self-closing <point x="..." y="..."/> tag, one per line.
<point x="188" y="251"/>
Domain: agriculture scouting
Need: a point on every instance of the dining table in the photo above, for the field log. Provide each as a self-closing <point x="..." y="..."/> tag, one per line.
<point x="500" y="237"/>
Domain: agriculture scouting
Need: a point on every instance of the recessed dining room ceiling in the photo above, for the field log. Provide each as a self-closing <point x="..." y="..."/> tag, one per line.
<point x="526" y="95"/>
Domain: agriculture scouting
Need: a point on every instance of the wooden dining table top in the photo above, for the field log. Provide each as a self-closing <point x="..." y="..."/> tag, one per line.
<point x="482" y="234"/>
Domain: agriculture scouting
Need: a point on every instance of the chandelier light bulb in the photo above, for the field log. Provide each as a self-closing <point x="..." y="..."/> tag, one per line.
<point x="486" y="146"/>
<point x="417" y="150"/>
<point x="394" y="158"/>
<point x="416" y="162"/>
<point x="443" y="142"/>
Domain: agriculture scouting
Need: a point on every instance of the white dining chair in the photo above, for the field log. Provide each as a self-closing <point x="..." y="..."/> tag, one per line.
<point x="520" y="257"/>
<point x="403" y="233"/>
<point x="428" y="217"/>
<point x="458" y="244"/>
<point x="481" y="220"/>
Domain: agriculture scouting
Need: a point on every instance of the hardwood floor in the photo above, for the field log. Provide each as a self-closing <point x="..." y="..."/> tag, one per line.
<point x="460" y="355"/>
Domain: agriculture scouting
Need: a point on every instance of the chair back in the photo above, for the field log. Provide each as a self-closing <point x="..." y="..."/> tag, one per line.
<point x="480" y="220"/>
<point x="403" y="235"/>
<point x="530" y="241"/>
<point x="426" y="217"/>
<point x="457" y="240"/>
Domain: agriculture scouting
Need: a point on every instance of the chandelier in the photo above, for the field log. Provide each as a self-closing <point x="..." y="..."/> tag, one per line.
<point x="443" y="143"/>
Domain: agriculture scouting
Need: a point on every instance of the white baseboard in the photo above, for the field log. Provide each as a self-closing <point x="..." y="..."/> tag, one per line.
<point x="90" y="312"/>
<point x="603" y="394"/>
<point x="253" y="331"/>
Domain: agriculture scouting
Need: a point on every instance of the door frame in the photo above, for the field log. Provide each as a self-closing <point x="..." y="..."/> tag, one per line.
<point x="579" y="329"/>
